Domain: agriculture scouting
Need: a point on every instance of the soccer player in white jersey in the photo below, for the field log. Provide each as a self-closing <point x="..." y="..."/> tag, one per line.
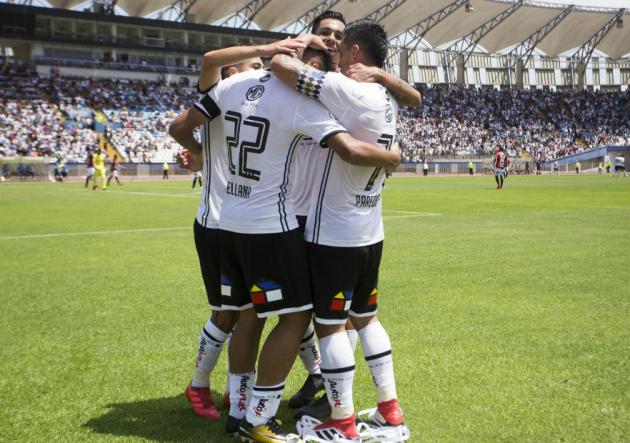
<point x="262" y="251"/>
<point x="213" y="162"/>
<point x="329" y="26"/>
<point x="344" y="231"/>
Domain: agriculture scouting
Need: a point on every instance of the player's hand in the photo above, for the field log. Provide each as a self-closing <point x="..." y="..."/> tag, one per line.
<point x="190" y="161"/>
<point x="313" y="41"/>
<point x="289" y="46"/>
<point x="364" y="74"/>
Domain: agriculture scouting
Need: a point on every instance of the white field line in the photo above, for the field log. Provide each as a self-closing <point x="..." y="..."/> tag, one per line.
<point x="73" y="234"/>
<point x="157" y="194"/>
<point x="417" y="214"/>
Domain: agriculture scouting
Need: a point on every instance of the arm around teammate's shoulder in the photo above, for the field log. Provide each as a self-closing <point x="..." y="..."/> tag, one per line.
<point x="360" y="153"/>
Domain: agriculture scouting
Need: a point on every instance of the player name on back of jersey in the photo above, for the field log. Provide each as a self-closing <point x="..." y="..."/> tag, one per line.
<point x="242" y="191"/>
<point x="367" y="201"/>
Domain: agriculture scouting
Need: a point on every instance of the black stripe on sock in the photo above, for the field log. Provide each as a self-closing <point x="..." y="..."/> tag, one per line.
<point x="268" y="388"/>
<point x="308" y="338"/>
<point x="337" y="370"/>
<point x="382" y="354"/>
<point x="211" y="337"/>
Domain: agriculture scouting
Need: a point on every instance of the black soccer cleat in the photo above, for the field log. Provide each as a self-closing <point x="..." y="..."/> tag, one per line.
<point x="312" y="385"/>
<point x="231" y="426"/>
<point x="320" y="409"/>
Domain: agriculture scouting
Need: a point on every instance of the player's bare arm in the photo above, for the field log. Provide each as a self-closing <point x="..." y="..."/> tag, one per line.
<point x="405" y="94"/>
<point x="360" y="153"/>
<point x="183" y="127"/>
<point x="213" y="61"/>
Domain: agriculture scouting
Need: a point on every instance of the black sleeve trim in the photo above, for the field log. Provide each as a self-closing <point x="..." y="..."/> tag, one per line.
<point x="323" y="143"/>
<point x="208" y="107"/>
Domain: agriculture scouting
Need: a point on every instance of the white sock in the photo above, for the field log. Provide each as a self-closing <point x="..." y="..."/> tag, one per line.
<point x="227" y="364"/>
<point x="378" y="355"/>
<point x="264" y="404"/>
<point x="338" y="373"/>
<point x="353" y="336"/>
<point x="240" y="393"/>
<point x="309" y="352"/>
<point x="211" y="341"/>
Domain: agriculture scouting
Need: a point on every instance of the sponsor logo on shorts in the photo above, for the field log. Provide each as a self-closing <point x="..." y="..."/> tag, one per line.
<point x="226" y="286"/>
<point x="265" y="292"/>
<point x="341" y="301"/>
<point x="373" y="297"/>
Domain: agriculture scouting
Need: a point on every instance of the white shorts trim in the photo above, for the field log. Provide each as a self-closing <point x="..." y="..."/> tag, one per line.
<point x="285" y="311"/>
<point x="236" y="308"/>
<point x="326" y="321"/>
<point x="216" y="308"/>
<point x="365" y="314"/>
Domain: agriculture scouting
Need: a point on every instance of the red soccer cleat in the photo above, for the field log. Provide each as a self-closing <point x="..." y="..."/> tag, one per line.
<point x="388" y="413"/>
<point x="343" y="431"/>
<point x="202" y="403"/>
<point x="226" y="400"/>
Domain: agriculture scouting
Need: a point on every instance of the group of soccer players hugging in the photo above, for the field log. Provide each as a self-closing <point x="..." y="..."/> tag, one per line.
<point x="289" y="224"/>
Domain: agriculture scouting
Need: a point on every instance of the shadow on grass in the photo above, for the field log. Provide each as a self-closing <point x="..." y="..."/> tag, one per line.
<point x="168" y="419"/>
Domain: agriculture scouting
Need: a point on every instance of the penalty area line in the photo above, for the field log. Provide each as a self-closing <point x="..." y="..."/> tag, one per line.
<point x="76" y="234"/>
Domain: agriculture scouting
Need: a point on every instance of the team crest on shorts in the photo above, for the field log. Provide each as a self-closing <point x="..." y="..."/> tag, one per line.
<point x="341" y="301"/>
<point x="226" y="286"/>
<point x="265" y="292"/>
<point x="373" y="297"/>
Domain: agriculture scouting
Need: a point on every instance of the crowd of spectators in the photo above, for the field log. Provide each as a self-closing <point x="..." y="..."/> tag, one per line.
<point x="456" y="121"/>
<point x="58" y="116"/>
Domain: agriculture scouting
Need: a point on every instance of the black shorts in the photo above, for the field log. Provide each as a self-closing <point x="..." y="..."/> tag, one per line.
<point x="344" y="280"/>
<point x="207" y="242"/>
<point x="268" y="272"/>
<point x="301" y="219"/>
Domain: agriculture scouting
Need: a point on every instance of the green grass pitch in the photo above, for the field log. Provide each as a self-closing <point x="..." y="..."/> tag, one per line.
<point x="509" y="311"/>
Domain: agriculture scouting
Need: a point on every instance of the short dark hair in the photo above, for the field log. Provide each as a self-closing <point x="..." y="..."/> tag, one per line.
<point x="327" y="14"/>
<point x="325" y="55"/>
<point x="371" y="38"/>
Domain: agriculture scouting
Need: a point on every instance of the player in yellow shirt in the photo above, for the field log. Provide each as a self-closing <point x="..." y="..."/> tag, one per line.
<point x="99" y="168"/>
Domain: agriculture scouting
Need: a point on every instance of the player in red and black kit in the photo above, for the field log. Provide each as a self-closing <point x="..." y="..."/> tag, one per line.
<point x="499" y="167"/>
<point x="113" y="171"/>
<point x="89" y="172"/>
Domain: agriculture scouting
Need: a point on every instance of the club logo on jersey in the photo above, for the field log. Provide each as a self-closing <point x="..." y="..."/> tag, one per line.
<point x="373" y="297"/>
<point x="389" y="113"/>
<point x="266" y="292"/>
<point x="226" y="286"/>
<point x="264" y="78"/>
<point x="255" y="92"/>
<point x="341" y="301"/>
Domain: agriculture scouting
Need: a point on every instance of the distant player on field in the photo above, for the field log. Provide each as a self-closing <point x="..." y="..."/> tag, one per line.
<point x="620" y="165"/>
<point x="89" y="170"/>
<point x="98" y="159"/>
<point x="499" y="168"/>
<point x="197" y="176"/>
<point x="556" y="167"/>
<point x="113" y="171"/>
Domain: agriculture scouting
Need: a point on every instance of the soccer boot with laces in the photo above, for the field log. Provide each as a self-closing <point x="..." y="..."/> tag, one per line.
<point x="313" y="384"/>
<point x="338" y="431"/>
<point x="201" y="401"/>
<point x="270" y="432"/>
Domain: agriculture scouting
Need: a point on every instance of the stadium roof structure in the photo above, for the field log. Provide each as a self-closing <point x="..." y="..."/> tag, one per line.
<point x="491" y="26"/>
